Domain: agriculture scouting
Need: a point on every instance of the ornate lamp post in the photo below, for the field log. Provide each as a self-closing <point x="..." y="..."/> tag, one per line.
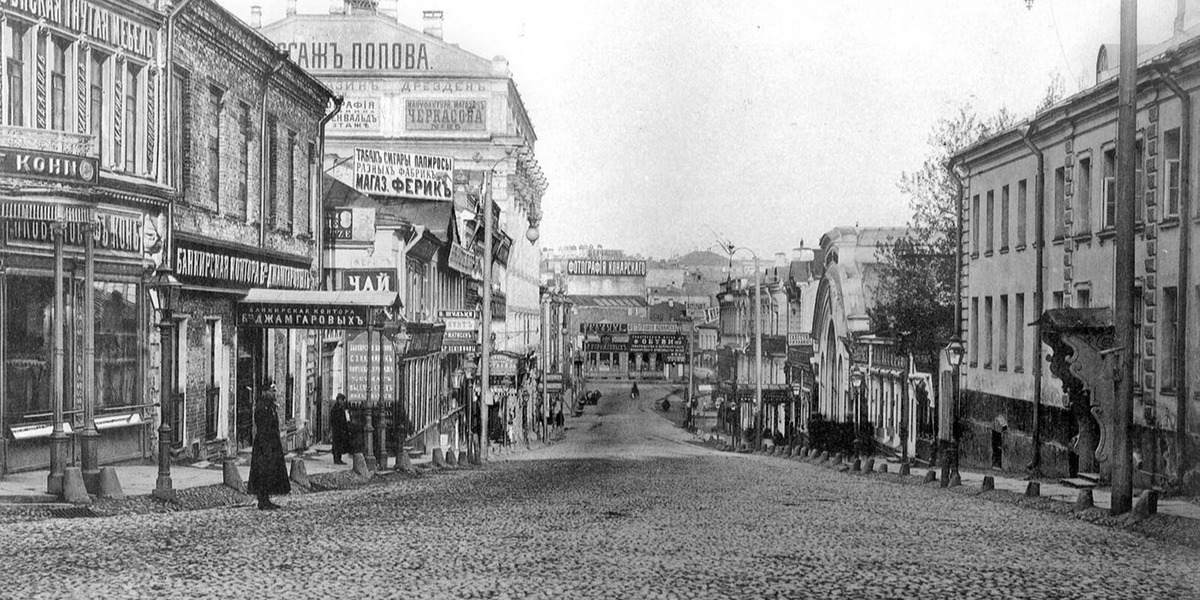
<point x="856" y="382"/>
<point x="955" y="351"/>
<point x="166" y="286"/>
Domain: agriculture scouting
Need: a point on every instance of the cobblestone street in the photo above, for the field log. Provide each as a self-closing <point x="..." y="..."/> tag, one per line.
<point x="623" y="507"/>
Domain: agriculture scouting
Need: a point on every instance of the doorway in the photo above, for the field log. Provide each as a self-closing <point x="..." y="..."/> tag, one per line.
<point x="997" y="449"/>
<point x="249" y="367"/>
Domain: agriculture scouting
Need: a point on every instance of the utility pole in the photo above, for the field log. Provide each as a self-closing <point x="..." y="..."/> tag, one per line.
<point x="758" y="401"/>
<point x="1122" y="419"/>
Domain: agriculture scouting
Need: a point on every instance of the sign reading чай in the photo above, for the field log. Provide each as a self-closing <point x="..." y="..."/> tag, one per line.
<point x="406" y="174"/>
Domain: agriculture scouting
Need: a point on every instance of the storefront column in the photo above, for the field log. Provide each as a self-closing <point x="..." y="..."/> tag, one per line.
<point x="58" y="437"/>
<point x="3" y="359"/>
<point x="90" y="438"/>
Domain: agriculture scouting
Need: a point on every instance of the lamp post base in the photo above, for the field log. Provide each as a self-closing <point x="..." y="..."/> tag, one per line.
<point x="89" y="442"/>
<point x="58" y="463"/>
<point x="166" y="494"/>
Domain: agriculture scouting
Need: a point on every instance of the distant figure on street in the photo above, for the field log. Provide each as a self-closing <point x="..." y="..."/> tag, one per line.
<point x="339" y="422"/>
<point x="558" y="417"/>
<point x="268" y="474"/>
<point x="633" y="393"/>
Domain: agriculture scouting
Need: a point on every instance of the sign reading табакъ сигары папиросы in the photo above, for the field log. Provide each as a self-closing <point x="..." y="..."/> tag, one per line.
<point x="404" y="174"/>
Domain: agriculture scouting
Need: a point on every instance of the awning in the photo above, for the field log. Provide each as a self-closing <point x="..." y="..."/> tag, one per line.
<point x="316" y="309"/>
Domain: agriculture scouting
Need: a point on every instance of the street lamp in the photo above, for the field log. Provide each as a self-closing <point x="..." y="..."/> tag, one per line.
<point x="955" y="351"/>
<point x="856" y="382"/>
<point x="165" y="290"/>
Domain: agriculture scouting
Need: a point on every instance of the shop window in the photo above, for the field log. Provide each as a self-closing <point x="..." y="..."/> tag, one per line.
<point x="975" y="225"/>
<point x="212" y="381"/>
<point x="177" y="164"/>
<point x="1002" y="337"/>
<point x="116" y="345"/>
<point x="1170" y="331"/>
<point x="96" y="69"/>
<point x="15" y="70"/>
<point x="988" y="330"/>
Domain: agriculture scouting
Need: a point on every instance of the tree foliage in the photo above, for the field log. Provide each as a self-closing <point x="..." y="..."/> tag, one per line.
<point x="914" y="295"/>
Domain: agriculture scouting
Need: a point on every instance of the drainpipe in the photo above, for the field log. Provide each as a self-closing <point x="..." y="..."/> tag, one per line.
<point x="1039" y="298"/>
<point x="1185" y="236"/>
<point x="319" y="210"/>
<point x="169" y="131"/>
<point x="264" y="172"/>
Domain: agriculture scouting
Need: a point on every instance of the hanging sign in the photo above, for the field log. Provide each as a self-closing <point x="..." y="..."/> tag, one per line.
<point x="403" y="174"/>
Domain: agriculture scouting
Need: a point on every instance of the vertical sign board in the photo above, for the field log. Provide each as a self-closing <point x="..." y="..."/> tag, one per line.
<point x="382" y="381"/>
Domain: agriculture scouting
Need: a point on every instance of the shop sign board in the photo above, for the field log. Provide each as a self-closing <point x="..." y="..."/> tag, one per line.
<point x="799" y="339"/>
<point x="605" y="347"/>
<point x="675" y="358"/>
<point x="460" y="348"/>
<point x="113" y="233"/>
<point x="607" y="268"/>
<point x="654" y="328"/>
<point x="403" y="174"/>
<point x="369" y="280"/>
<point x="502" y="364"/>
<point x="458" y="337"/>
<point x="350" y="224"/>
<point x="601" y="328"/>
<point x="302" y="316"/>
<point x="52" y="166"/>
<point x="370" y="363"/>
<point x="657" y="343"/>
<point x="460" y="320"/>
<point x="443" y="114"/>
<point x="235" y="268"/>
<point x="462" y="260"/>
<point x="95" y="20"/>
<point x="357" y="114"/>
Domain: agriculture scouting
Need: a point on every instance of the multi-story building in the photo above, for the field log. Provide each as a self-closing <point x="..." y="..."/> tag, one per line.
<point x="243" y="154"/>
<point x="1040" y="212"/>
<point x="431" y="135"/>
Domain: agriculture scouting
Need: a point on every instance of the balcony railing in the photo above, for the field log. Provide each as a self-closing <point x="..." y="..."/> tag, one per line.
<point x="47" y="140"/>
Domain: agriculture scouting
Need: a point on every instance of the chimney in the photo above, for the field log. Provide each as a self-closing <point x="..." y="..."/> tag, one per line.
<point x="256" y="16"/>
<point x="433" y="23"/>
<point x="291" y="8"/>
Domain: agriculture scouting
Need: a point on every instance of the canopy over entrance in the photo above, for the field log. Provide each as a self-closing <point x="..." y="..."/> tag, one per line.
<point x="317" y="309"/>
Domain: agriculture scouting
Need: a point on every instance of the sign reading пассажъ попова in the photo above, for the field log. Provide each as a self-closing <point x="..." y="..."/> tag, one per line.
<point x="404" y="174"/>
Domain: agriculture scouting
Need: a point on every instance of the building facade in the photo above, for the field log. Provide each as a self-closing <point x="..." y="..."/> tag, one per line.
<point x="1040" y="209"/>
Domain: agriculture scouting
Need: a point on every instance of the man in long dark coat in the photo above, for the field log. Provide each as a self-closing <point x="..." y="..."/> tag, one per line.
<point x="339" y="422"/>
<point x="268" y="474"/>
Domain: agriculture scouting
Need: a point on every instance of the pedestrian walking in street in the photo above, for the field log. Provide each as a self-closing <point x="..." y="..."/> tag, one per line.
<point x="633" y="393"/>
<point x="268" y="474"/>
<point x="339" y="422"/>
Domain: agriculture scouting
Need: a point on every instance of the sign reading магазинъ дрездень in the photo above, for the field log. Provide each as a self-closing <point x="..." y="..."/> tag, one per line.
<point x="403" y="174"/>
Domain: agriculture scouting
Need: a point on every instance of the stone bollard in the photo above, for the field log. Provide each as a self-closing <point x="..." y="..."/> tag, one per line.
<point x="869" y="465"/>
<point x="1085" y="499"/>
<point x="299" y="472"/>
<point x="360" y="465"/>
<point x="813" y="454"/>
<point x="857" y="466"/>
<point x="74" y="491"/>
<point x="230" y="476"/>
<point x="955" y="480"/>
<point x="837" y="459"/>
<point x="989" y="483"/>
<point x="110" y="486"/>
<point x="905" y="469"/>
<point x="930" y="476"/>
<point x="404" y="463"/>
<point x="799" y="451"/>
<point x="1146" y="504"/>
<point x="451" y="458"/>
<point x="463" y="460"/>
<point x="1033" y="489"/>
<point x="883" y="467"/>
<point x="439" y="460"/>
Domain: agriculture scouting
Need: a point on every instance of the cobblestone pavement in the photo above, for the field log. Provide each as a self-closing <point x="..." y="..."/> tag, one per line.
<point x="623" y="507"/>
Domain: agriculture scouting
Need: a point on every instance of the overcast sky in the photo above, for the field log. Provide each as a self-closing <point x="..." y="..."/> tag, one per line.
<point x="769" y="122"/>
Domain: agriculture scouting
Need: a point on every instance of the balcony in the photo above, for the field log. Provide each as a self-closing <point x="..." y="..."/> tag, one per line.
<point x="46" y="140"/>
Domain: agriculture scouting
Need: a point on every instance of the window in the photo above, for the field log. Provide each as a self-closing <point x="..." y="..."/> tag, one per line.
<point x="1172" y="172"/>
<point x="246" y="127"/>
<point x="177" y="149"/>
<point x="313" y="186"/>
<point x="973" y="351"/>
<point x="1018" y="332"/>
<point x="1060" y="205"/>
<point x="975" y="225"/>
<point x="215" y="98"/>
<point x="1004" y="218"/>
<point x="272" y="163"/>
<point x="1022" y="210"/>
<point x="1083" y="196"/>
<point x="132" y="73"/>
<point x="991" y="220"/>
<point x="1170" y="332"/>
<point x="96" y="95"/>
<point x="212" y="387"/>
<point x="988" y="330"/>
<point x="1110" y="188"/>
<point x="15" y="70"/>
<point x="58" y="84"/>
<point x="1057" y="300"/>
<point x="1002" y="338"/>
<point x="290" y="163"/>
<point x="1083" y="297"/>
<point x="417" y="282"/>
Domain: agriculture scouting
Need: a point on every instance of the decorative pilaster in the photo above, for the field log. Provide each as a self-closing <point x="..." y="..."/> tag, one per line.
<point x="118" y="112"/>
<point x="152" y="76"/>
<point x="41" y="48"/>
<point x="1149" y="281"/>
<point x="1068" y="224"/>
<point x="82" y="86"/>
